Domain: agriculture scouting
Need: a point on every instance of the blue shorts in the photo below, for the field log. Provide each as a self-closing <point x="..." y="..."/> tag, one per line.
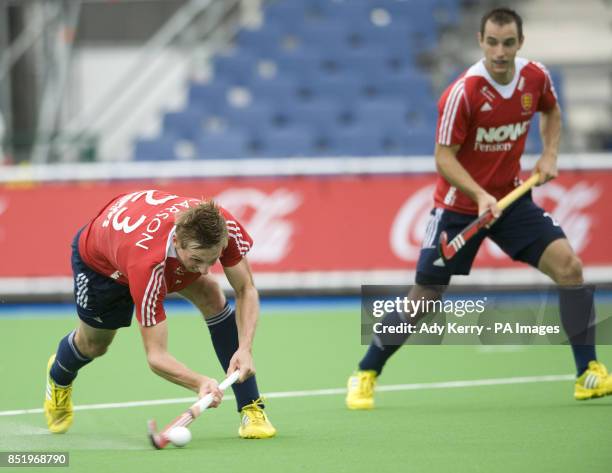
<point x="101" y="302"/>
<point x="523" y="232"/>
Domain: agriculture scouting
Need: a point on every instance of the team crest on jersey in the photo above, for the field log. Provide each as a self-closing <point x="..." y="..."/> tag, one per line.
<point x="527" y="102"/>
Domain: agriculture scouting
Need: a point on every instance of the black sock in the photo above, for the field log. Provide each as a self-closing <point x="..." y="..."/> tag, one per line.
<point x="577" y="309"/>
<point x="224" y="335"/>
<point x="68" y="361"/>
<point x="384" y="345"/>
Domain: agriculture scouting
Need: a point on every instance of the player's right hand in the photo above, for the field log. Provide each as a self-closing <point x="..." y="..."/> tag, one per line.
<point x="210" y="386"/>
<point x="486" y="202"/>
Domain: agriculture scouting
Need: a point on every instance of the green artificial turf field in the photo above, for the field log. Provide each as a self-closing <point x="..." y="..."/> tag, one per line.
<point x="303" y="357"/>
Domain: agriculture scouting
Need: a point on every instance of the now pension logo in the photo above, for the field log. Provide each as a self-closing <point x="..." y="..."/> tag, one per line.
<point x="499" y="139"/>
<point x="502" y="133"/>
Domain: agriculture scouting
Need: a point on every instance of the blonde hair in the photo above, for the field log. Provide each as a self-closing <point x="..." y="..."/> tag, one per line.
<point x="203" y="225"/>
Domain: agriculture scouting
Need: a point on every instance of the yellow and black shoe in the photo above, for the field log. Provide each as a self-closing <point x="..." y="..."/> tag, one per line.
<point x="58" y="404"/>
<point x="360" y="393"/>
<point x="593" y="382"/>
<point x="254" y="423"/>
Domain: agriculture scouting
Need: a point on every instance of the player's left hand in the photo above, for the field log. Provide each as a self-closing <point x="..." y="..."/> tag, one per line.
<point x="547" y="167"/>
<point x="242" y="361"/>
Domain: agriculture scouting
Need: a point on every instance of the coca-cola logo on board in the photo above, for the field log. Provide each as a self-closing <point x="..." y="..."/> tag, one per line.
<point x="265" y="218"/>
<point x="568" y="205"/>
<point x="409" y="226"/>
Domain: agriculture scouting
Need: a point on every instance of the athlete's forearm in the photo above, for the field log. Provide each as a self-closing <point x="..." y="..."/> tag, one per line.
<point x="168" y="367"/>
<point x="247" y="314"/>
<point x="550" y="131"/>
<point x="162" y="363"/>
<point x="452" y="170"/>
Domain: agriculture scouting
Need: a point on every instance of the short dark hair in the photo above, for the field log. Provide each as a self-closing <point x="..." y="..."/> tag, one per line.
<point x="502" y="16"/>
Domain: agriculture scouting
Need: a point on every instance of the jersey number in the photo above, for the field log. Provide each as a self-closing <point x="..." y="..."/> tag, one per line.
<point x="125" y="224"/>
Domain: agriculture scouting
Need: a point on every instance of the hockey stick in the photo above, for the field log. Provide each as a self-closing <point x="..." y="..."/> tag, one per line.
<point x="449" y="249"/>
<point x="160" y="439"/>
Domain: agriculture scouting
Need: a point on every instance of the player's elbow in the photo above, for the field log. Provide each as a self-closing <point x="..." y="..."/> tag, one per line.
<point x="553" y="114"/>
<point x="247" y="291"/>
<point x="155" y="362"/>
<point x="443" y="155"/>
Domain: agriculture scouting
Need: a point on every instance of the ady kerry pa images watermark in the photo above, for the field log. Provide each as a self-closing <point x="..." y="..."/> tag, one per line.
<point x="390" y="317"/>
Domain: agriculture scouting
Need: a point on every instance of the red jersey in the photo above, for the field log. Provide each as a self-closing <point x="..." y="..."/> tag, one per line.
<point x="130" y="241"/>
<point x="490" y="121"/>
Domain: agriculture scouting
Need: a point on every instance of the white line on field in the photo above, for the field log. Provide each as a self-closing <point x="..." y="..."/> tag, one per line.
<point x="323" y="392"/>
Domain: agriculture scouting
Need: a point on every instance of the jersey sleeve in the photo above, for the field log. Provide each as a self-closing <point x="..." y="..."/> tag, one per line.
<point x="453" y="115"/>
<point x="548" y="98"/>
<point x="148" y="289"/>
<point x="239" y="242"/>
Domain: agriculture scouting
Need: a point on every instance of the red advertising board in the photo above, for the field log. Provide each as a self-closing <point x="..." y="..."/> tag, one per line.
<point x="335" y="223"/>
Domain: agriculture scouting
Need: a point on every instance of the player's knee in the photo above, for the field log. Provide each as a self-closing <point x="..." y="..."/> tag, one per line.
<point x="213" y="300"/>
<point x="93" y="348"/>
<point x="569" y="271"/>
<point x="429" y="291"/>
<point x="207" y="296"/>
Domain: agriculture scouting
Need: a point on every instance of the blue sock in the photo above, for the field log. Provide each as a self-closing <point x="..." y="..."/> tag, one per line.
<point x="383" y="346"/>
<point x="224" y="335"/>
<point x="577" y="310"/>
<point x="68" y="361"/>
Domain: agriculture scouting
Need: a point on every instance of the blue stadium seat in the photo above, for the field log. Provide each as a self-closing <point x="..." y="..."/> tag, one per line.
<point x="210" y="97"/>
<point x="257" y="115"/>
<point x="324" y="35"/>
<point x="337" y="73"/>
<point x="319" y="115"/>
<point x="418" y="14"/>
<point x="265" y="39"/>
<point x="422" y="116"/>
<point x="409" y="34"/>
<point x="360" y="61"/>
<point x="417" y="140"/>
<point x="405" y="86"/>
<point x="285" y="143"/>
<point x="299" y="63"/>
<point x="446" y="12"/>
<point x="356" y="141"/>
<point x="185" y="124"/>
<point x="288" y="14"/>
<point x="235" y="69"/>
<point x="381" y="36"/>
<point x="345" y="88"/>
<point x="331" y="10"/>
<point x="280" y="90"/>
<point x="381" y="113"/>
<point x="381" y="139"/>
<point x="230" y="144"/>
<point x="156" y="149"/>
